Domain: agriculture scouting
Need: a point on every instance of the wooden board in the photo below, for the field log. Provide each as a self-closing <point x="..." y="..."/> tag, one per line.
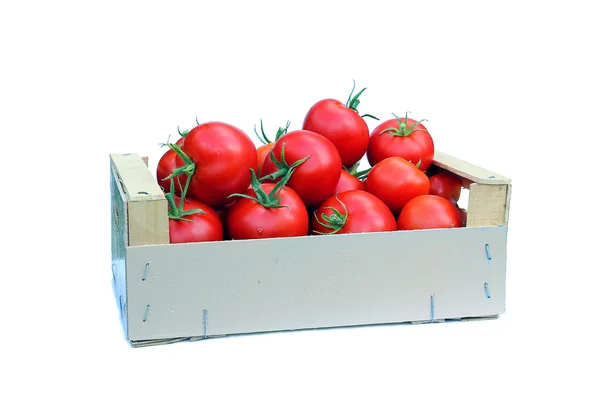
<point x="222" y="288"/>
<point x="471" y="172"/>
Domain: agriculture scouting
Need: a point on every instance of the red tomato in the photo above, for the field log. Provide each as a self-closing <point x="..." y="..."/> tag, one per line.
<point x="166" y="165"/>
<point x="429" y="212"/>
<point x="447" y="185"/>
<point x="348" y="182"/>
<point x="262" y="152"/>
<point x="222" y="155"/>
<point x="352" y="212"/>
<point x="401" y="137"/>
<point x="314" y="179"/>
<point x="197" y="227"/>
<point x="396" y="181"/>
<point x="251" y="219"/>
<point x="342" y="125"/>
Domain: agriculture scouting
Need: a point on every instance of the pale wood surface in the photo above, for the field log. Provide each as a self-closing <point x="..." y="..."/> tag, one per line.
<point x="148" y="222"/>
<point x="488" y="204"/>
<point x="467" y="170"/>
<point x="318" y="281"/>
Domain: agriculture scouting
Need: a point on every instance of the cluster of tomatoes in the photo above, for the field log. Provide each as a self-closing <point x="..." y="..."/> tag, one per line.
<point x="219" y="185"/>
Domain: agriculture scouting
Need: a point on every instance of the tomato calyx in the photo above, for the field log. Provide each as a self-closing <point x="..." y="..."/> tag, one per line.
<point x="189" y="166"/>
<point x="336" y="221"/>
<point x="360" y="175"/>
<point x="353" y="101"/>
<point x="264" y="139"/>
<point x="402" y="129"/>
<point x="283" y="169"/>
<point x="271" y="200"/>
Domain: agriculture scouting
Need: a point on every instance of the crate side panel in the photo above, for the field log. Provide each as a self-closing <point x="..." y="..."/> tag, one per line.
<point x="118" y="243"/>
<point x="311" y="282"/>
<point x="467" y="170"/>
<point x="488" y="204"/>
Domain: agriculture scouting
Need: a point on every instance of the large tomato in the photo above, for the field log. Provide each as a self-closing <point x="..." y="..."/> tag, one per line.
<point x="352" y="212"/>
<point x="401" y="137"/>
<point x="342" y="125"/>
<point x="268" y="210"/>
<point x="220" y="156"/>
<point x="314" y="179"/>
<point x="446" y="185"/>
<point x="203" y="225"/>
<point x="429" y="212"/>
<point x="396" y="181"/>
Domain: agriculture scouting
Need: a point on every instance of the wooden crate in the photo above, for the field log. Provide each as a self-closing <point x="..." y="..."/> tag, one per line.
<point x="174" y="292"/>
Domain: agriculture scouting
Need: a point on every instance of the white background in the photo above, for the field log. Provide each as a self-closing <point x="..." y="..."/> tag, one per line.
<point x="512" y="86"/>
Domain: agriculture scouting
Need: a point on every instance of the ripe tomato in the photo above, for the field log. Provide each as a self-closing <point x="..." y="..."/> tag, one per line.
<point x="352" y="212"/>
<point x="202" y="226"/>
<point x="342" y="125"/>
<point x="267" y="145"/>
<point x="396" y="181"/>
<point x="348" y="182"/>
<point x="314" y="179"/>
<point x="401" y="137"/>
<point x="272" y="210"/>
<point x="447" y="185"/>
<point x="221" y="156"/>
<point x="165" y="167"/>
<point x="429" y="212"/>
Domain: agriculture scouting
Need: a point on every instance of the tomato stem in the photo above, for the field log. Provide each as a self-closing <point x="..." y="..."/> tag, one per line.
<point x="283" y="167"/>
<point x="335" y="221"/>
<point x="353" y="101"/>
<point x="264" y="139"/>
<point x="358" y="174"/>
<point x="402" y="129"/>
<point x="271" y="200"/>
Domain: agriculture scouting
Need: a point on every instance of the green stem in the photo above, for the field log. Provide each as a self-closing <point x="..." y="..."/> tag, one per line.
<point x="402" y="129"/>
<point x="282" y="167"/>
<point x="353" y="101"/>
<point x="264" y="139"/>
<point x="271" y="200"/>
<point x="335" y="221"/>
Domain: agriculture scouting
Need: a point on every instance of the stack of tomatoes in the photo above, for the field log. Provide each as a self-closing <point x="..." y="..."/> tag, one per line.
<point x="219" y="185"/>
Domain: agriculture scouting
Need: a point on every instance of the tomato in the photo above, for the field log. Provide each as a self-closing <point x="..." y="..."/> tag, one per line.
<point x="401" y="137"/>
<point x="396" y="181"/>
<point x="165" y="167"/>
<point x="446" y="185"/>
<point x="222" y="212"/>
<point x="342" y="125"/>
<point x="429" y="212"/>
<point x="267" y="145"/>
<point x="316" y="178"/>
<point x="202" y="226"/>
<point x="268" y="210"/>
<point x="219" y="155"/>
<point x="348" y="182"/>
<point x="352" y="212"/>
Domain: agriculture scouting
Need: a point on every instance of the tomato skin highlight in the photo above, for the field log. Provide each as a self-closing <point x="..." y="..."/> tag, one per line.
<point x="204" y="228"/>
<point x="316" y="178"/>
<point x="348" y="182"/>
<point x="429" y="212"/>
<point x="396" y="181"/>
<point x="344" y="127"/>
<point x="248" y="219"/>
<point x="415" y="147"/>
<point x="223" y="155"/>
<point x="446" y="185"/>
<point x="365" y="213"/>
